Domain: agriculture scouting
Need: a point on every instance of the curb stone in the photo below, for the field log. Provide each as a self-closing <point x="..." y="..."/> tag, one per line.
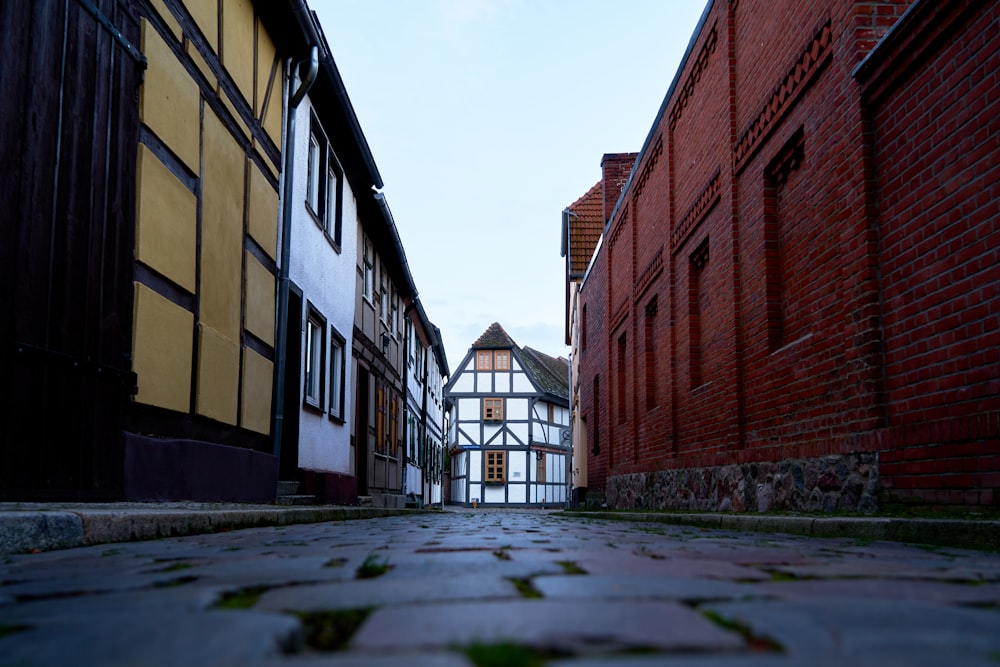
<point x="965" y="534"/>
<point x="28" y="530"/>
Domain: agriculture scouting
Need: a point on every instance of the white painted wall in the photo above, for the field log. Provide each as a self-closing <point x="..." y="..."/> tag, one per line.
<point x="327" y="279"/>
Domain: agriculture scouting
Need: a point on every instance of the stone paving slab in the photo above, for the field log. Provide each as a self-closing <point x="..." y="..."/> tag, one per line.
<point x="585" y="625"/>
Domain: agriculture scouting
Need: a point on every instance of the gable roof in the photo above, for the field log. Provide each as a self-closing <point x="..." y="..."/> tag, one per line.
<point x="585" y="228"/>
<point x="550" y="374"/>
<point x="494" y="338"/>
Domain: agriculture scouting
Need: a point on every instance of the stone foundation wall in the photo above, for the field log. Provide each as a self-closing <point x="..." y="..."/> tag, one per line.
<point x="847" y="482"/>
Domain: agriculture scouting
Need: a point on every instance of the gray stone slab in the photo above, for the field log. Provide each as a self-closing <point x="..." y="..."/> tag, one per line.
<point x="900" y="590"/>
<point x="23" y="532"/>
<point x="632" y="587"/>
<point x="849" y="628"/>
<point x="577" y="625"/>
<point x="154" y="639"/>
<point x="382" y="591"/>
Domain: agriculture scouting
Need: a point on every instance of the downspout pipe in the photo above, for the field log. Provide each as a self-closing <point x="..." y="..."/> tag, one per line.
<point x="281" y="319"/>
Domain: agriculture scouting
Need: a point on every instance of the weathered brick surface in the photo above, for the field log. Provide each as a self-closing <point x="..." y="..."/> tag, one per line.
<point x="804" y="261"/>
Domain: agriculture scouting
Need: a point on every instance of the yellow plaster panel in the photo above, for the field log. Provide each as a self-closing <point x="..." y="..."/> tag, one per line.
<point x="166" y="234"/>
<point x="260" y="300"/>
<point x="258" y="374"/>
<point x="218" y="376"/>
<point x="161" y="350"/>
<point x="263" y="213"/>
<point x="200" y="63"/>
<point x="206" y="15"/>
<point x="221" y="229"/>
<point x="270" y="117"/>
<point x="169" y="102"/>
<point x="237" y="43"/>
<point x="168" y="18"/>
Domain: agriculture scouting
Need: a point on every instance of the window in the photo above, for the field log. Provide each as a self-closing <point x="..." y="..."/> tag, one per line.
<point x="380" y="416"/>
<point x="383" y="295"/>
<point x="325" y="185"/>
<point x="336" y="376"/>
<point x="314" y="361"/>
<point x="501" y="360"/>
<point x="496" y="467"/>
<point x="394" y="321"/>
<point x="312" y="184"/>
<point x="596" y="437"/>
<point x="484" y="360"/>
<point x="583" y="328"/>
<point x="369" y="257"/>
<point x="540" y="458"/>
<point x="493" y="409"/>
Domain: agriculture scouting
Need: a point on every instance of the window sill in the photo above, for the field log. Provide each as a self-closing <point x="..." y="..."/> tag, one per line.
<point x="312" y="406"/>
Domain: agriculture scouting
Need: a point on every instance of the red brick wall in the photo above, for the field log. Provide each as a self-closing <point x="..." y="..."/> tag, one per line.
<point x="935" y="117"/>
<point x="824" y="236"/>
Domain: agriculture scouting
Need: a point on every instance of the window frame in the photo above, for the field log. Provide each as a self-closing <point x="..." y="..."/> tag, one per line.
<point x="493" y="407"/>
<point x="313" y="377"/>
<point x="338" y="374"/>
<point x="484" y="360"/>
<point x="495" y="466"/>
<point x="324" y="185"/>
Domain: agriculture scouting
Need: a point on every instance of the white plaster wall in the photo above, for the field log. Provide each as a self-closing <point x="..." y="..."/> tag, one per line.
<point x="517" y="408"/>
<point x="494" y="493"/>
<point x="502" y="382"/>
<point x="464" y="383"/>
<point x="469" y="409"/>
<point x="516" y="493"/>
<point x="489" y="435"/>
<point x="484" y="382"/>
<point x="520" y="431"/>
<point x="475" y="466"/>
<point x="517" y="467"/>
<point x="327" y="279"/>
<point x="475" y="491"/>
<point x="522" y="384"/>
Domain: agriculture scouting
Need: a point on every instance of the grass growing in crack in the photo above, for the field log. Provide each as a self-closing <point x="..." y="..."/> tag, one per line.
<point x="754" y="642"/>
<point x="331" y="630"/>
<point x="173" y="567"/>
<point x="570" y="567"/>
<point x="501" y="554"/>
<point x="245" y="598"/>
<point x="373" y="567"/>
<point x="177" y="581"/>
<point x="507" y="654"/>
<point x="526" y="588"/>
<point x="335" y="562"/>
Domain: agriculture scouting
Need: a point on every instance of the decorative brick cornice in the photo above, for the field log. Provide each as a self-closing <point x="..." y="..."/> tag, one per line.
<point x="785" y="95"/>
<point x="654" y="155"/>
<point x="706" y="200"/>
<point x="616" y="228"/>
<point x="649" y="274"/>
<point x="787" y="160"/>
<point x="684" y="94"/>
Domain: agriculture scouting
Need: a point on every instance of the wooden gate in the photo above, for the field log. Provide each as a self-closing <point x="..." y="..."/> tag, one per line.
<point x="68" y="141"/>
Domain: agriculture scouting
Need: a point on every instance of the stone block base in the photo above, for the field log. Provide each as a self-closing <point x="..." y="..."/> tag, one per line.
<point x="848" y="482"/>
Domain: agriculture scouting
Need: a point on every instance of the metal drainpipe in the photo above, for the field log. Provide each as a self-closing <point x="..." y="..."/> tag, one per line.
<point x="281" y="319"/>
<point x="569" y="371"/>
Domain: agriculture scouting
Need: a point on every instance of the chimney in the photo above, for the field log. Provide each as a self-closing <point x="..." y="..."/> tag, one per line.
<point x="616" y="168"/>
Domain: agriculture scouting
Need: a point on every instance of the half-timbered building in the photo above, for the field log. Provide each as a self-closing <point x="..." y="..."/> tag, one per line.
<point x="509" y="419"/>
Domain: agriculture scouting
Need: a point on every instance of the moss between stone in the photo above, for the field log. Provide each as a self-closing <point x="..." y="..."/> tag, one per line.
<point x="373" y="567"/>
<point x="331" y="630"/>
<point x="245" y="598"/>
<point x="507" y="654"/>
<point x="754" y="642"/>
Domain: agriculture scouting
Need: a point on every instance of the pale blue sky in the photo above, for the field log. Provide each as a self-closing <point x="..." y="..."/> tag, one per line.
<point x="486" y="119"/>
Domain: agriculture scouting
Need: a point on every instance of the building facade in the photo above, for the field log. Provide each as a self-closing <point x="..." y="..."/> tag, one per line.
<point x="758" y="326"/>
<point x="508" y="425"/>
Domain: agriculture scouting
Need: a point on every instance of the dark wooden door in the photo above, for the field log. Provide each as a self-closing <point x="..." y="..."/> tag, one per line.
<point x="68" y="140"/>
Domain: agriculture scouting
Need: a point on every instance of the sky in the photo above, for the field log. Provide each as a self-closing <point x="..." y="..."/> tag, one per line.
<point x="486" y="119"/>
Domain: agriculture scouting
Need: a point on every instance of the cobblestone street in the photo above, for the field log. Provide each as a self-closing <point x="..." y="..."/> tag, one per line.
<point x="467" y="587"/>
